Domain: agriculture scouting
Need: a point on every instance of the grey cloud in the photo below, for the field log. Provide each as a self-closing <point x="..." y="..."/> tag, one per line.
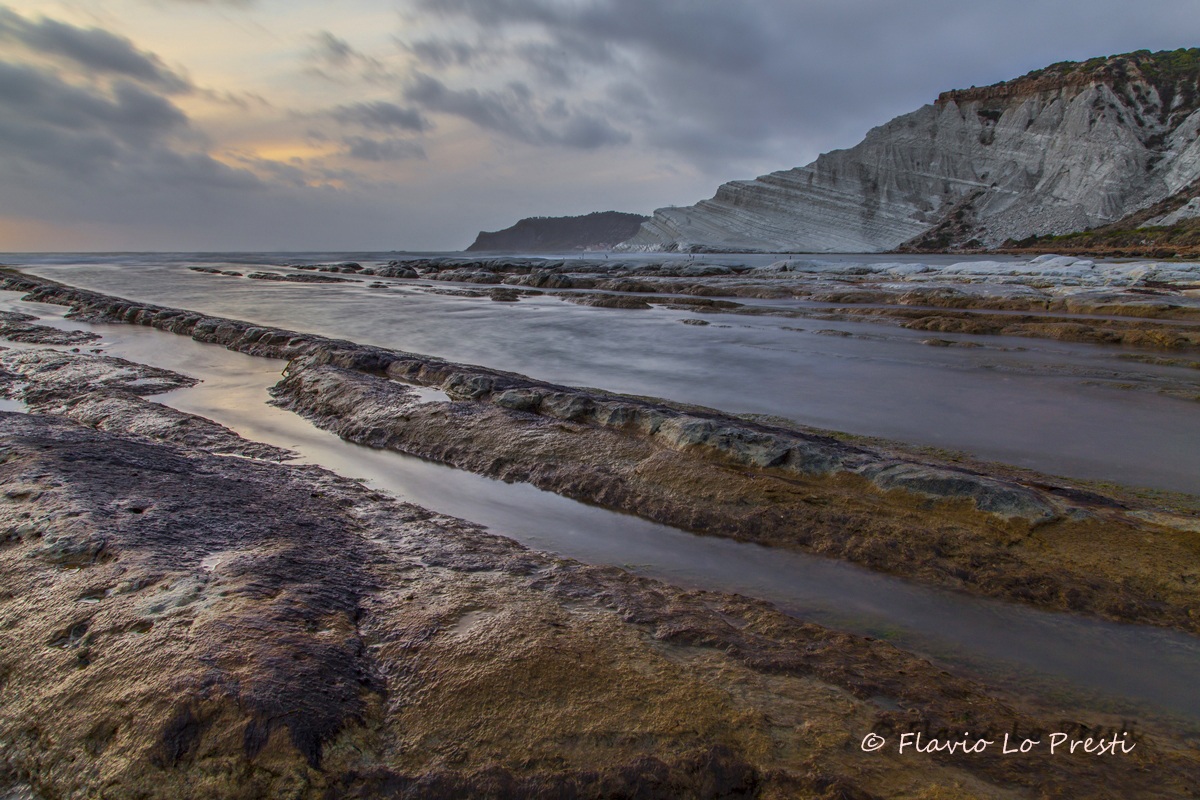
<point x="489" y="110"/>
<point x="442" y="53"/>
<point x="334" y="58"/>
<point x="298" y="173"/>
<point x="132" y="114"/>
<point x="285" y="173"/>
<point x="92" y="48"/>
<point x="686" y="73"/>
<point x="333" y="50"/>
<point x="628" y="94"/>
<point x="557" y="61"/>
<point x="40" y="153"/>
<point x="120" y="138"/>
<point x="513" y="114"/>
<point x="770" y="83"/>
<point x="70" y="155"/>
<point x="493" y="12"/>
<point x="549" y="62"/>
<point x="381" y="115"/>
<point x="365" y="149"/>
<point x="25" y="145"/>
<point x="587" y="131"/>
<point x="139" y="110"/>
<point x="567" y="56"/>
<point x="731" y="34"/>
<point x="244" y="100"/>
<point x="111" y="154"/>
<point x="189" y="171"/>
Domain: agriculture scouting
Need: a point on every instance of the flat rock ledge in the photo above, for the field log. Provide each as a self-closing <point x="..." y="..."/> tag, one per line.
<point x="176" y="623"/>
<point x="109" y="393"/>
<point x="1033" y="540"/>
<point x="17" y="327"/>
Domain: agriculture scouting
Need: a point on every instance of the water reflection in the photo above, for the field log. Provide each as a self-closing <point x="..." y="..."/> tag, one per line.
<point x="1119" y="667"/>
<point x="1050" y="406"/>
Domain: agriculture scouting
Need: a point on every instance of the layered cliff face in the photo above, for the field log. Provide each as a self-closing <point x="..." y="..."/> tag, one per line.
<point x="1073" y="146"/>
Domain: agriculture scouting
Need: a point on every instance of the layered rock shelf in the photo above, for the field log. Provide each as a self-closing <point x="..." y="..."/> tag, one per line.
<point x="177" y="623"/>
<point x="184" y="614"/>
<point x="1142" y="304"/>
<point x="1014" y="535"/>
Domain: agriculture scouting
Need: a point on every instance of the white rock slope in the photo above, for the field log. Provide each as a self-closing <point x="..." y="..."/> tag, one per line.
<point x="1062" y="149"/>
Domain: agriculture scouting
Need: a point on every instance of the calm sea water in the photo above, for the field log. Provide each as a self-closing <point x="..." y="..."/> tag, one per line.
<point x="1069" y="409"/>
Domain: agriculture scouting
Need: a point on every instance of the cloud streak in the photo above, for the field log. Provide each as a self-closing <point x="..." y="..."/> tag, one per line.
<point x="365" y="149"/>
<point x="381" y="115"/>
<point x="514" y="112"/>
<point x="333" y="58"/>
<point x="91" y="48"/>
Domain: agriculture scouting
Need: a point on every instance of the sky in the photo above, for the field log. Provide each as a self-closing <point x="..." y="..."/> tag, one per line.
<point x="360" y="125"/>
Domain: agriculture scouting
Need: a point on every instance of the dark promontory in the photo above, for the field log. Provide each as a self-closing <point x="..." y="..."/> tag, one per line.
<point x="596" y="231"/>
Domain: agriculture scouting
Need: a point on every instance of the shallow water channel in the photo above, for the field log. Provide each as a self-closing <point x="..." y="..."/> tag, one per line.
<point x="1057" y="407"/>
<point x="1086" y="663"/>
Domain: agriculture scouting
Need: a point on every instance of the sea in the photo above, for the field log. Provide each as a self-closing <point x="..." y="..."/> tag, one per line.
<point x="1072" y="409"/>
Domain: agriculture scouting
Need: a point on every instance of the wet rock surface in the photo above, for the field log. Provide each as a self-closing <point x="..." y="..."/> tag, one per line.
<point x="109" y="394"/>
<point x="17" y="327"/>
<point x="214" y="271"/>
<point x="297" y="277"/>
<point x="1000" y="538"/>
<point x="178" y="624"/>
<point x="1013" y="535"/>
<point x="1065" y="298"/>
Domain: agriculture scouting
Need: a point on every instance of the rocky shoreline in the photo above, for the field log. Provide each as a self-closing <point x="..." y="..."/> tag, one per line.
<point x="186" y="615"/>
<point x="1013" y="535"/>
<point x="1064" y="298"/>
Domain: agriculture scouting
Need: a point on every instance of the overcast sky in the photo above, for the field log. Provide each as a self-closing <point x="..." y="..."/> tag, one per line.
<point x="412" y="124"/>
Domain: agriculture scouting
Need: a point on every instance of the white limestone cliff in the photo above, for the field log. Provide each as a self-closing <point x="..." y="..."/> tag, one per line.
<point x="1060" y="150"/>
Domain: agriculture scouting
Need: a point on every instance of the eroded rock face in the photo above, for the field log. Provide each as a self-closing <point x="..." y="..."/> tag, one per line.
<point x="1045" y="154"/>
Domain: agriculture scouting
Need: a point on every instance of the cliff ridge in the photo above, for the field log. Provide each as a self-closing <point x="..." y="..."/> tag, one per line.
<point x="1070" y="147"/>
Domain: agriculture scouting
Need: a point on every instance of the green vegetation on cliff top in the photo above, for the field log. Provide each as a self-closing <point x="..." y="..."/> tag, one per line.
<point x="1175" y="75"/>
